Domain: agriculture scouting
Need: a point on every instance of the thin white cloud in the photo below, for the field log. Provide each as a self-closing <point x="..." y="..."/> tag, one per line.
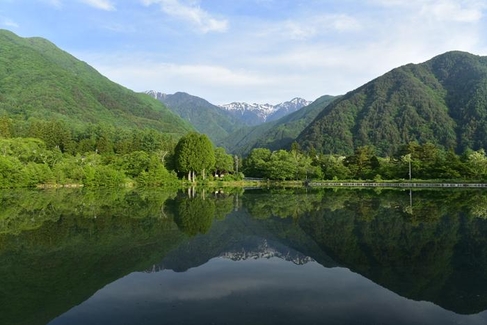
<point x="7" y="22"/>
<point x="100" y="4"/>
<point x="453" y="11"/>
<point x="313" y="26"/>
<point x="344" y="23"/>
<point x="118" y="27"/>
<point x="140" y="72"/>
<point x="54" y="3"/>
<point x="170" y="73"/>
<point x="297" y="31"/>
<point x="107" y="5"/>
<point x="443" y="10"/>
<point x="191" y="13"/>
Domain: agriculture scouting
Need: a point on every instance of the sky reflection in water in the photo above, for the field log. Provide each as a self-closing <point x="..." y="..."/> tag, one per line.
<point x="263" y="291"/>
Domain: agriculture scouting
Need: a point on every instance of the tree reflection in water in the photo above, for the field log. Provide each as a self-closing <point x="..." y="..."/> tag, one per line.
<point x="59" y="247"/>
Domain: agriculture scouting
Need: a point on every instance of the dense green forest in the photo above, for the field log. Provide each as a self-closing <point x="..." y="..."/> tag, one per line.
<point x="52" y="153"/>
<point x="442" y="101"/>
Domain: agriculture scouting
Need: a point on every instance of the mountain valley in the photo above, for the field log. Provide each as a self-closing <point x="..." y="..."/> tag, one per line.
<point x="220" y="122"/>
<point x="441" y="101"/>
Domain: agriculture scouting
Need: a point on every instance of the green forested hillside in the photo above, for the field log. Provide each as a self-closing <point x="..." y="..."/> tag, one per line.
<point x="275" y="134"/>
<point x="442" y="101"/>
<point x="40" y="81"/>
<point x="204" y="116"/>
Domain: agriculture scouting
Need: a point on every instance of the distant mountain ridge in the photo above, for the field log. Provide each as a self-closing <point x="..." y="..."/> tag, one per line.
<point x="257" y="114"/>
<point x="219" y="122"/>
<point x="277" y="134"/>
<point x="206" y="118"/>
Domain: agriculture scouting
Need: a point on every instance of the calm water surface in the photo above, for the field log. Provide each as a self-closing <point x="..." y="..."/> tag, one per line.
<point x="253" y="257"/>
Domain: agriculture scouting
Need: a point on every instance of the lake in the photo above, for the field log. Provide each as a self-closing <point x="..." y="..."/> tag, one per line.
<point x="234" y="256"/>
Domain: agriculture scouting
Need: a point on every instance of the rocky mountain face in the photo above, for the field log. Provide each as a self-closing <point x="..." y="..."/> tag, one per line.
<point x="255" y="114"/>
<point x="157" y="95"/>
<point x="277" y="134"/>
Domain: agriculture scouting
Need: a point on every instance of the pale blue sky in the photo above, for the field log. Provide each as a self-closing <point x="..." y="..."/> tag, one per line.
<point x="264" y="51"/>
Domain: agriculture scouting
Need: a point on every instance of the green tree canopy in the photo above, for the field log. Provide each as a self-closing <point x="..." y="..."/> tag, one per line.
<point x="255" y="164"/>
<point x="194" y="153"/>
<point x="223" y="161"/>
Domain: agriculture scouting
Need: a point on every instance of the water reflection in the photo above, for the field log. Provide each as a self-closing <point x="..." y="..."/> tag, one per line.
<point x="264" y="291"/>
<point x="273" y="256"/>
<point x="57" y="248"/>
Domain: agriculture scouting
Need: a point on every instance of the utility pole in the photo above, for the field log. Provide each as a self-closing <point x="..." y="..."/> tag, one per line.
<point x="410" y="172"/>
<point x="236" y="164"/>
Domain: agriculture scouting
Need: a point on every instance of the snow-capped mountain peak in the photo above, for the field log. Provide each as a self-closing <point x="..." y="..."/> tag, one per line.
<point x="241" y="106"/>
<point x="266" y="112"/>
<point x="248" y="114"/>
<point x="295" y="102"/>
<point x="156" y="94"/>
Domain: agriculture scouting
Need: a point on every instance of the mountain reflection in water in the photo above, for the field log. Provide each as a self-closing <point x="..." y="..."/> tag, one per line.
<point x="260" y="257"/>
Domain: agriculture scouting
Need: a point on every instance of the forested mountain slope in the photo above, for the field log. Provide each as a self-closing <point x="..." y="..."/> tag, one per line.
<point x="443" y="101"/>
<point x="275" y="134"/>
<point x="38" y="80"/>
<point x="207" y="118"/>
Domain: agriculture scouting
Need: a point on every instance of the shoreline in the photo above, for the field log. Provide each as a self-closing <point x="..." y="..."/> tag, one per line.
<point x="397" y="184"/>
<point x="314" y="184"/>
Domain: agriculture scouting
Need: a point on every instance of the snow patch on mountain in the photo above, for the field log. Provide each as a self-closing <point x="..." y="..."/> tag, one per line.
<point x="156" y="94"/>
<point x="250" y="114"/>
<point x="267" y="251"/>
<point x="267" y="112"/>
<point x="259" y="248"/>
